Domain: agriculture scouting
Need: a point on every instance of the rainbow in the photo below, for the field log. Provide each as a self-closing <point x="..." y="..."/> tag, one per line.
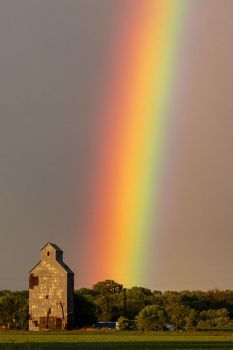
<point x="138" y="90"/>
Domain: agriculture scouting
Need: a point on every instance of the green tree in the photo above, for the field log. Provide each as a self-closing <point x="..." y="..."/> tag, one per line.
<point x="136" y="299"/>
<point x="151" y="318"/>
<point x="108" y="287"/>
<point x="14" y="310"/>
<point x="191" y="319"/>
<point x="84" y="310"/>
<point x="213" y="318"/>
<point x="123" y="323"/>
<point x="177" y="314"/>
<point x="109" y="300"/>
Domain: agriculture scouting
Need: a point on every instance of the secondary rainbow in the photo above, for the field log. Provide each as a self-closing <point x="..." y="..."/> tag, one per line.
<point x="140" y="85"/>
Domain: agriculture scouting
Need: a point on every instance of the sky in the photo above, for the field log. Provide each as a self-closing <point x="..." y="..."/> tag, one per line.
<point x="55" y="57"/>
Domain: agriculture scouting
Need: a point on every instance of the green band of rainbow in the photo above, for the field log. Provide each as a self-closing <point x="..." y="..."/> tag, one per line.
<point x="135" y="110"/>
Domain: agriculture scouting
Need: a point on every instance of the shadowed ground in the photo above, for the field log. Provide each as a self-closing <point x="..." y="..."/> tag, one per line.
<point x="121" y="345"/>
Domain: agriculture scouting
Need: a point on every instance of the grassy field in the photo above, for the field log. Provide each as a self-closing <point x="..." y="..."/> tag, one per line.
<point x="114" y="340"/>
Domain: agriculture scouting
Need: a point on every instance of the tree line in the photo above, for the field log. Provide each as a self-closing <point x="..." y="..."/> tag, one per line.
<point x="135" y="307"/>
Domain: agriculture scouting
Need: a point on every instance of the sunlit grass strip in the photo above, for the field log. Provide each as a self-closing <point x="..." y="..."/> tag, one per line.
<point x="78" y="337"/>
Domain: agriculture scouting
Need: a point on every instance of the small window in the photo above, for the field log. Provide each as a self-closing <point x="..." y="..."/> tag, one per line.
<point x="46" y="297"/>
<point x="48" y="253"/>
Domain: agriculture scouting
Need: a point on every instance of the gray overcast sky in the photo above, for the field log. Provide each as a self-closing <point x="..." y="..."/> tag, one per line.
<point x="53" y="57"/>
<point x="50" y="59"/>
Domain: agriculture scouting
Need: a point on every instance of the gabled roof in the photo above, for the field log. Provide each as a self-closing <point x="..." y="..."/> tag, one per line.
<point x="35" y="266"/>
<point x="53" y="245"/>
<point x="65" y="267"/>
<point x="61" y="263"/>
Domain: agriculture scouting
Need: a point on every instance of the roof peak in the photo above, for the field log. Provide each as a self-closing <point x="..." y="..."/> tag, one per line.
<point x="53" y="245"/>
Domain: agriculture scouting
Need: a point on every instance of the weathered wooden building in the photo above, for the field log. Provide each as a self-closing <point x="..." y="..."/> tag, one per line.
<point x="51" y="292"/>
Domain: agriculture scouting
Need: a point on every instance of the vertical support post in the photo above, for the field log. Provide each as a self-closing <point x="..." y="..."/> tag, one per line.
<point x="124" y="291"/>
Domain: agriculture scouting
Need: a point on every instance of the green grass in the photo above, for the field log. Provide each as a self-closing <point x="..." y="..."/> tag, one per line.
<point x="80" y="340"/>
